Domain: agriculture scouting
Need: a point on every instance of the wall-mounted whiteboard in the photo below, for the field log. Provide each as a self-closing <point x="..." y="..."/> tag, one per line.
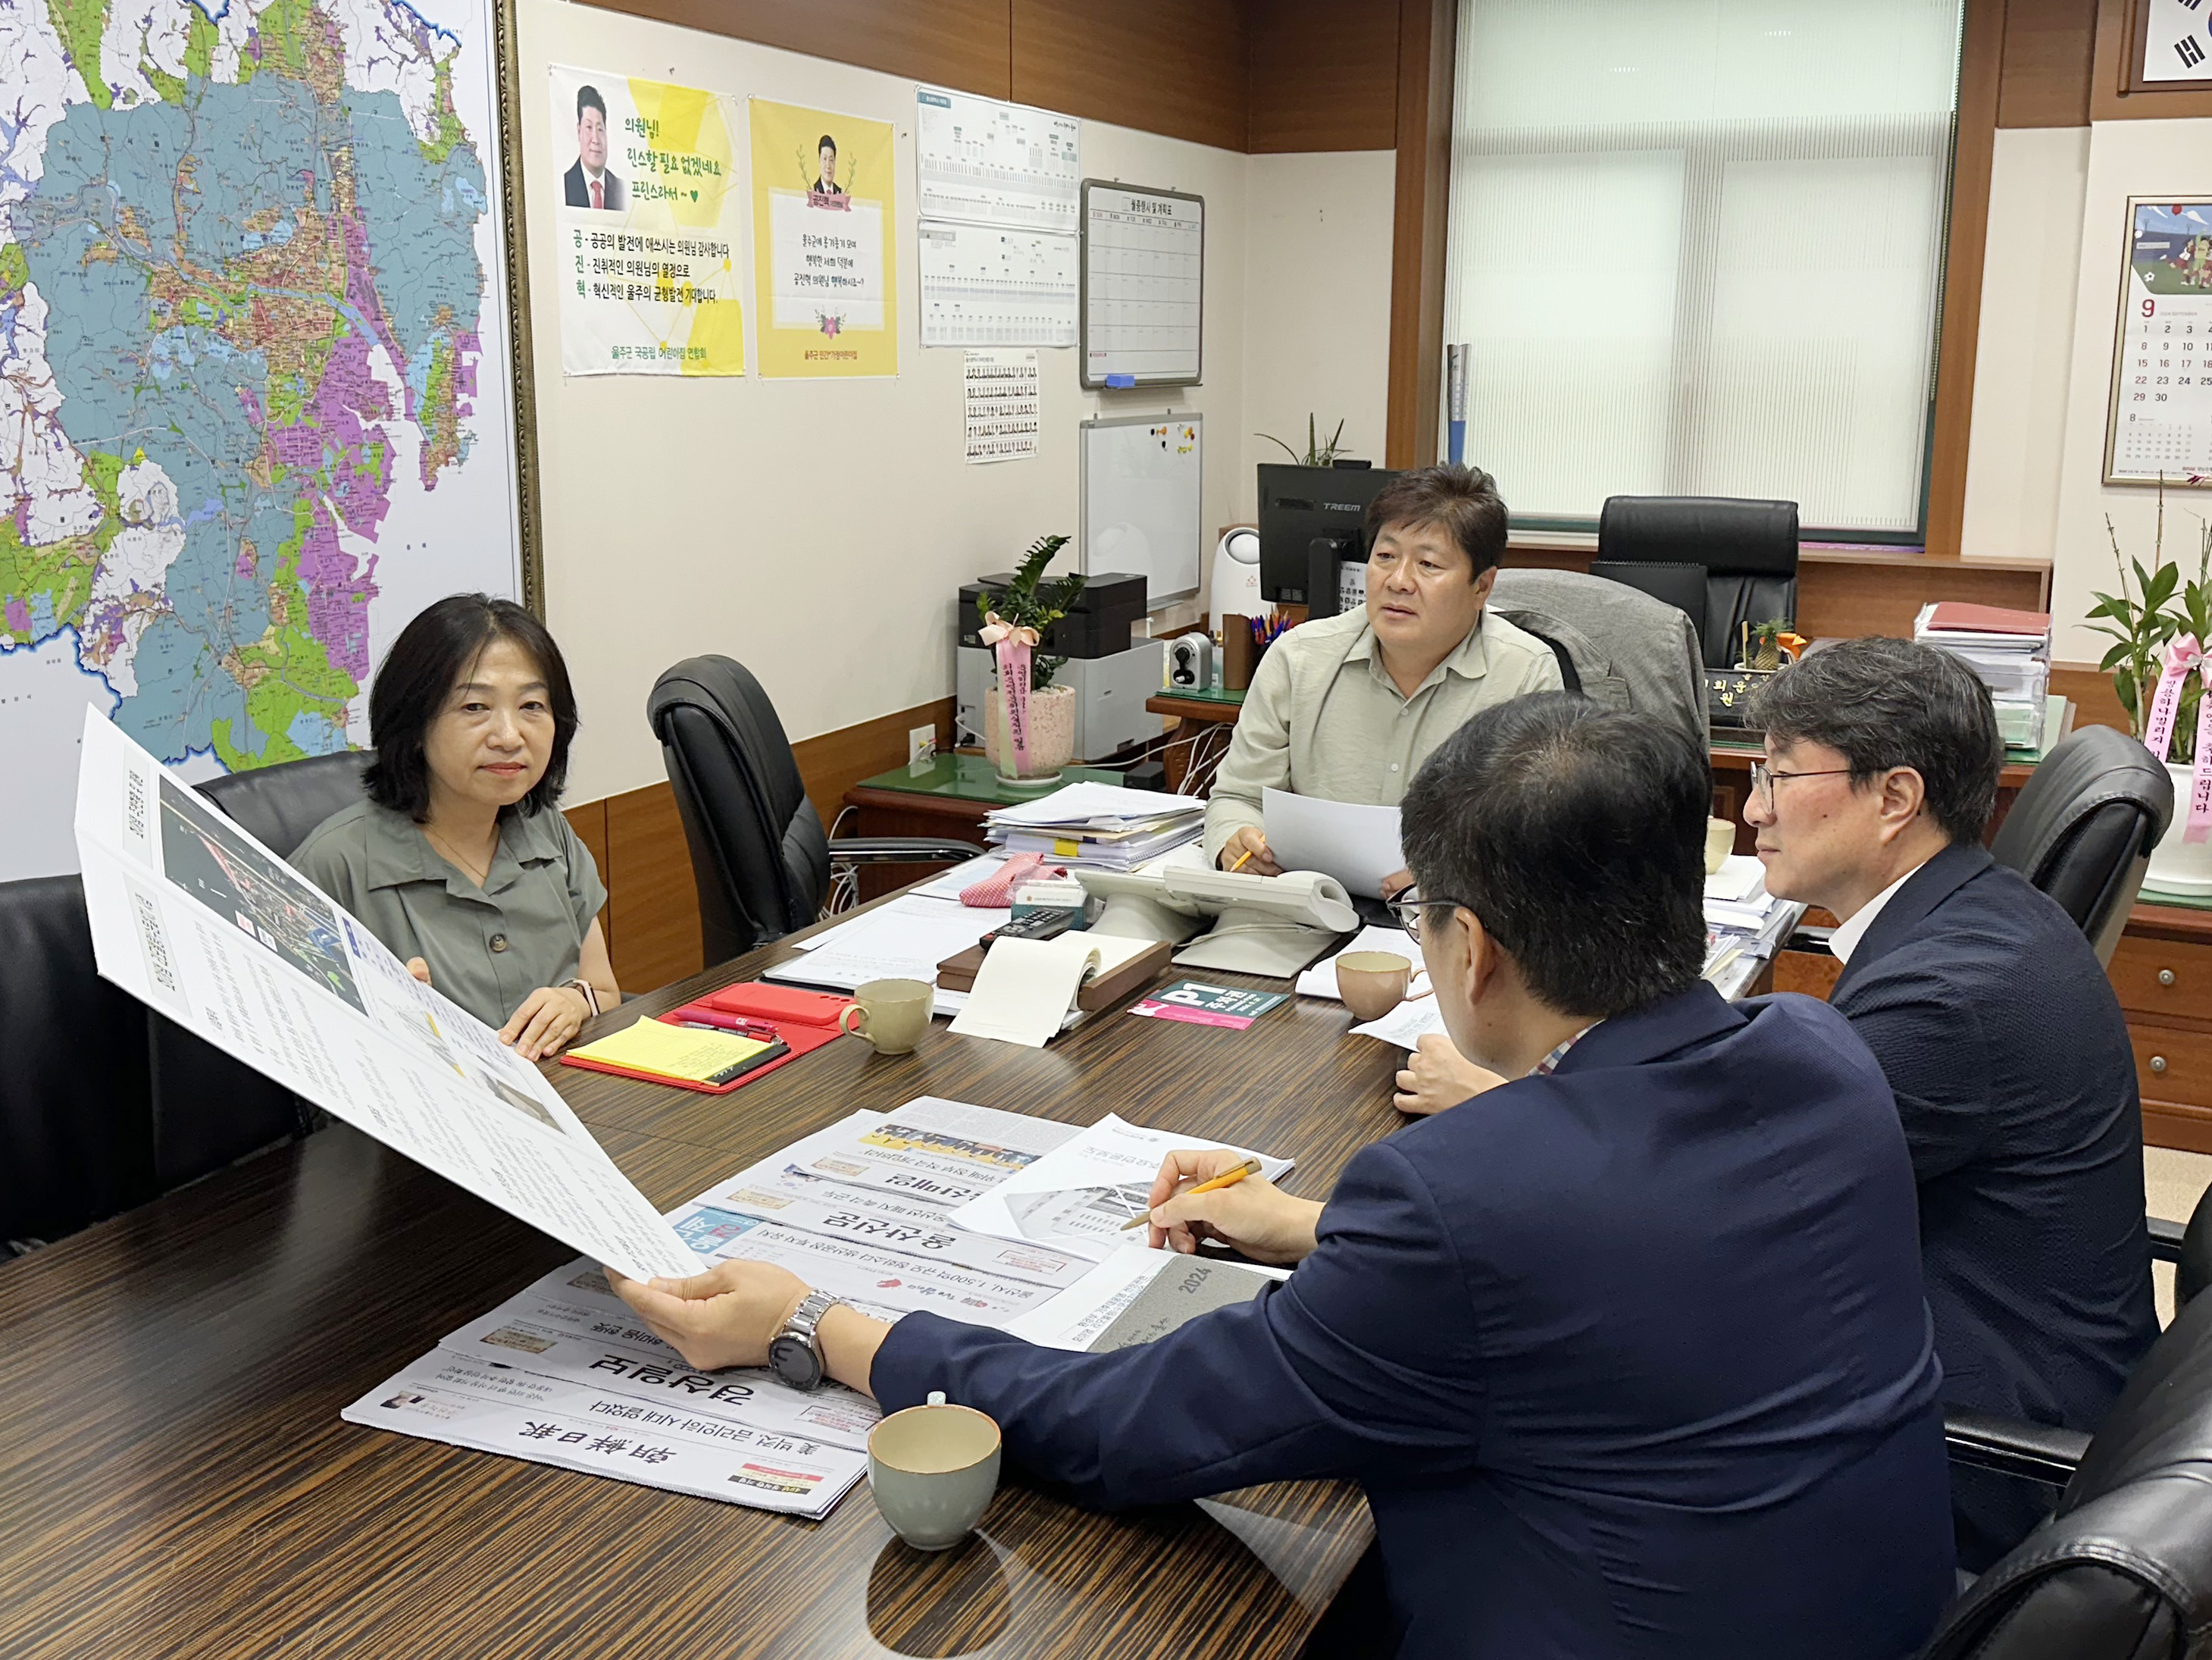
<point x="1141" y="477"/>
<point x="1143" y="286"/>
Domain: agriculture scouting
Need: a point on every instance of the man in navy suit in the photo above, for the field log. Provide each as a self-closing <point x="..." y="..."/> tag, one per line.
<point x="1997" y="1028"/>
<point x="1630" y="1354"/>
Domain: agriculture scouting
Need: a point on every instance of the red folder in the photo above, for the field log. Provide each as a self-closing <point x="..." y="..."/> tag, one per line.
<point x="1958" y="615"/>
<point x="805" y="1020"/>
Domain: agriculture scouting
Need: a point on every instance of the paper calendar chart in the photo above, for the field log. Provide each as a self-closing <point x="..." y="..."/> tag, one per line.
<point x="2159" y="425"/>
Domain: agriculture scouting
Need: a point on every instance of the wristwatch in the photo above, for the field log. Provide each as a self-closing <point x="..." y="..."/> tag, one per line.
<point x="795" y="1353"/>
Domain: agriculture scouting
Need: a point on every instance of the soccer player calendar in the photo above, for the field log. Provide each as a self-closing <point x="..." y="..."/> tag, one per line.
<point x="2160" y="421"/>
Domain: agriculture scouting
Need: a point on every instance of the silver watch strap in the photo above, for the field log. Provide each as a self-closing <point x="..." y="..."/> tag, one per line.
<point x="807" y="1316"/>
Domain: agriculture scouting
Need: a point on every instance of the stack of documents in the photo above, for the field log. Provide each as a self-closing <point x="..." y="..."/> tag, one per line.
<point x="905" y="940"/>
<point x="1742" y="920"/>
<point x="2009" y="650"/>
<point x="993" y="1218"/>
<point x="1103" y="825"/>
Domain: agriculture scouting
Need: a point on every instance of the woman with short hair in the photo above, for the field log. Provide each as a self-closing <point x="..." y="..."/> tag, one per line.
<point x="459" y="861"/>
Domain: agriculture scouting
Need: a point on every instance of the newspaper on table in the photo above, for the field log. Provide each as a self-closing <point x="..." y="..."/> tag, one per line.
<point x="564" y="1373"/>
<point x="194" y="917"/>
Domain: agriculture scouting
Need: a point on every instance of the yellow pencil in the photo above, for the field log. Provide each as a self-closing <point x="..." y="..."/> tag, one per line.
<point x="1227" y="1179"/>
<point x="1249" y="852"/>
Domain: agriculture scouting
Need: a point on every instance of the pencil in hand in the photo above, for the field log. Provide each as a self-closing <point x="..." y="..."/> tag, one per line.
<point x="1228" y="1178"/>
<point x="1247" y="855"/>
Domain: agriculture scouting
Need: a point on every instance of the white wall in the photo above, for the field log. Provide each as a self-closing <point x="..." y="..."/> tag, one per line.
<point x="2043" y="372"/>
<point x="2023" y="360"/>
<point x="817" y="531"/>
<point x="1317" y="303"/>
<point x="2162" y="159"/>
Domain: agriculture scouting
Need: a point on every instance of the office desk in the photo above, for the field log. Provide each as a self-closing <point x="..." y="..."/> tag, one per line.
<point x="179" y="1484"/>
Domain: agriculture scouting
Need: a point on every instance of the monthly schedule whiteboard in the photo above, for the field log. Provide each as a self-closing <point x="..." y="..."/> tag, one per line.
<point x="1143" y="279"/>
<point x="1141" y="478"/>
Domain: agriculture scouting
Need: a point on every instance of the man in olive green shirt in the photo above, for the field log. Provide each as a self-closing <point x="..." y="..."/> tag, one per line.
<point x="1347" y="707"/>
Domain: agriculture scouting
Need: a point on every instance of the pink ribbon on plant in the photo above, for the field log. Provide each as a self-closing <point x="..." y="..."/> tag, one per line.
<point x="1013" y="644"/>
<point x="2183" y="655"/>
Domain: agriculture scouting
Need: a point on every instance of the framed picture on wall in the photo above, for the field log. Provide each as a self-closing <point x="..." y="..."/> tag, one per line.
<point x="2159" y="423"/>
<point x="2172" y="44"/>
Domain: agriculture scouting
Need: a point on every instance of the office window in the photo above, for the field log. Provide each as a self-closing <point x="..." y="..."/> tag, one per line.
<point x="1697" y="248"/>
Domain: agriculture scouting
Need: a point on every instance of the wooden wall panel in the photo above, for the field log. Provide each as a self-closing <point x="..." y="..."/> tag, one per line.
<point x="832" y="764"/>
<point x="655" y="907"/>
<point x="1427" y="37"/>
<point x="2115" y="92"/>
<point x="1324" y="75"/>
<point x="2049" y="48"/>
<point x="1981" y="60"/>
<point x="2097" y="704"/>
<point x="1167" y="66"/>
<point x="955" y="43"/>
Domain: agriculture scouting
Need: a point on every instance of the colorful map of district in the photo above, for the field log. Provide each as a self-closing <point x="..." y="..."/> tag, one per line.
<point x="240" y="305"/>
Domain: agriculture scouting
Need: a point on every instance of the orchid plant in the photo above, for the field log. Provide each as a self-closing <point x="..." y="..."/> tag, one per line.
<point x="2145" y="619"/>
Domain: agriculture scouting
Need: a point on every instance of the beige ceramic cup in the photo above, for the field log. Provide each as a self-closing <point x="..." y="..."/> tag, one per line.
<point x="933" y="1470"/>
<point x="1372" y="983"/>
<point x="1720" y="842"/>
<point x="891" y="1015"/>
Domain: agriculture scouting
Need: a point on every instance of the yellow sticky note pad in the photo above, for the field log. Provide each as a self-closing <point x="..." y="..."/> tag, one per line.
<point x="655" y="1046"/>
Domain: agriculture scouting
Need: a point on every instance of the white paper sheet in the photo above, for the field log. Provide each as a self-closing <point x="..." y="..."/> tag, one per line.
<point x="995" y="163"/>
<point x="1356" y="843"/>
<point x="1002" y="418"/>
<point x="1739" y="877"/>
<point x="1319" y="980"/>
<point x="948" y="886"/>
<point x="1089" y="802"/>
<point x="1406" y="1025"/>
<point x="1026" y="989"/>
<point x="905" y="940"/>
<point x="1076" y="1197"/>
<point x="683" y="1447"/>
<point x="985" y="286"/>
<point x="190" y="915"/>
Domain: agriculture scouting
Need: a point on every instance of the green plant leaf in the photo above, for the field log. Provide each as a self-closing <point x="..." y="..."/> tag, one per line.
<point x="1279" y="444"/>
<point x="2161" y="588"/>
<point x="2118" y="654"/>
<point x="2124" y="685"/>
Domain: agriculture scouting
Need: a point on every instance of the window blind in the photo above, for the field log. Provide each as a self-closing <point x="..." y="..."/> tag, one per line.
<point x="1696" y="247"/>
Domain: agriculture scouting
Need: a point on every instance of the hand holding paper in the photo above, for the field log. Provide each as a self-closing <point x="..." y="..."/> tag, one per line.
<point x="1356" y="843"/>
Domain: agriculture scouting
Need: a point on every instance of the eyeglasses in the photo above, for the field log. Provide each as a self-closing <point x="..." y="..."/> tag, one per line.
<point x="1764" y="779"/>
<point x="1409" y="913"/>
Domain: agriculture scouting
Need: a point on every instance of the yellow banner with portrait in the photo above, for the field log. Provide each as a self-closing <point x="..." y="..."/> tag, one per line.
<point x="824" y="240"/>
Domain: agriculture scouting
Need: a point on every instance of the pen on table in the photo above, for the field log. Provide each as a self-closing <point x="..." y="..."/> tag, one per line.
<point x="1228" y="1178"/>
<point x="754" y="1028"/>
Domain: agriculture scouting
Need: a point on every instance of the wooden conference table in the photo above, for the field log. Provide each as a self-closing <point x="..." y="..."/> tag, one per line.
<point x="178" y="1481"/>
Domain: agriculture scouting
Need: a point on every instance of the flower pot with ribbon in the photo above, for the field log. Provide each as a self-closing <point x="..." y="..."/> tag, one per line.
<point x="2181" y="863"/>
<point x="1029" y="734"/>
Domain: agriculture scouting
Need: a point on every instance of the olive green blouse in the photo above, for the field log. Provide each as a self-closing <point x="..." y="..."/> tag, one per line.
<point x="488" y="947"/>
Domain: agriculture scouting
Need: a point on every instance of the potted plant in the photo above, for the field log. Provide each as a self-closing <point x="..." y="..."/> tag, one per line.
<point x="1029" y="723"/>
<point x="1318" y="454"/>
<point x="2159" y="626"/>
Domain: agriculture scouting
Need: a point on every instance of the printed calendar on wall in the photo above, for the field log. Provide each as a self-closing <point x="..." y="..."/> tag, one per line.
<point x="2160" y="421"/>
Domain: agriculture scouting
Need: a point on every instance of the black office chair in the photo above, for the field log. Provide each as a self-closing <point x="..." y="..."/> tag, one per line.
<point x="759" y="854"/>
<point x="1745" y="551"/>
<point x="2084" y="826"/>
<point x="103" y="1103"/>
<point x="2124" y="1569"/>
<point x="278" y="805"/>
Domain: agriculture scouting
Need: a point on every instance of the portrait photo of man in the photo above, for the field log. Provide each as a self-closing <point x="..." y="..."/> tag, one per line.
<point x="588" y="184"/>
<point x="826" y="183"/>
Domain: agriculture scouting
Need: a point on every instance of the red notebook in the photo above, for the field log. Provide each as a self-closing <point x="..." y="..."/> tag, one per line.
<point x="805" y="1020"/>
<point x="1956" y="615"/>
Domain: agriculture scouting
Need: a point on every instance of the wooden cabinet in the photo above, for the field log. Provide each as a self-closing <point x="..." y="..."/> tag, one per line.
<point x="2162" y="971"/>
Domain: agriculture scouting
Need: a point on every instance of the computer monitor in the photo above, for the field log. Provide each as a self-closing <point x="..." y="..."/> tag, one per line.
<point x="1312" y="520"/>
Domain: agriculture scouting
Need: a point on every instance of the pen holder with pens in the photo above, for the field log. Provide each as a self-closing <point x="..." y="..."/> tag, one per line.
<point x="1244" y="641"/>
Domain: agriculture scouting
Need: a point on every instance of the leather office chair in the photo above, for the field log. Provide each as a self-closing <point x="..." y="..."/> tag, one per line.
<point x="2124" y="1571"/>
<point x="278" y="805"/>
<point x="1747" y="551"/>
<point x="759" y="854"/>
<point x="2084" y="826"/>
<point x="1618" y="647"/>
<point x="103" y="1103"/>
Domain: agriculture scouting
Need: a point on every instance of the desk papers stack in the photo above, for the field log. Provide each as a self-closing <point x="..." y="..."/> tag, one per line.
<point x="879" y="1209"/>
<point x="2009" y="651"/>
<point x="1103" y="826"/>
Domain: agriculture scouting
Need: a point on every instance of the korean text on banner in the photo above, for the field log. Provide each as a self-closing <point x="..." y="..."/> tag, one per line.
<point x="824" y="210"/>
<point x="647" y="227"/>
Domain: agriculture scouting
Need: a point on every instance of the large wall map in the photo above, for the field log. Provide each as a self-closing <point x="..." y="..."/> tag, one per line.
<point x="255" y="374"/>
